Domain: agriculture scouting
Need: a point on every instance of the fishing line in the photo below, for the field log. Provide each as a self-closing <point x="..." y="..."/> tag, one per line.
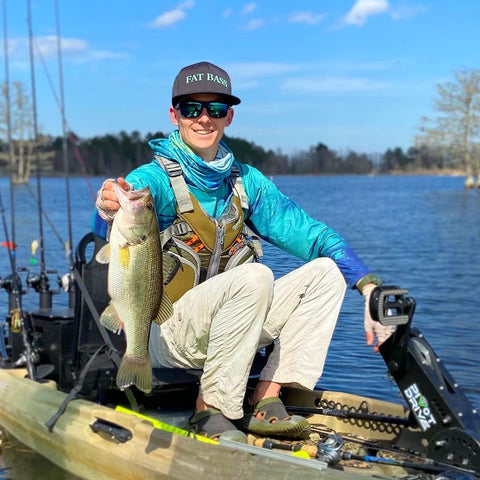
<point x="47" y="218"/>
<point x="15" y="296"/>
<point x="10" y="148"/>
<point x="35" y="134"/>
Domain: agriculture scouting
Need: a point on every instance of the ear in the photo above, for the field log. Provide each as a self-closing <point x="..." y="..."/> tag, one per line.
<point x="229" y="117"/>
<point x="173" y="116"/>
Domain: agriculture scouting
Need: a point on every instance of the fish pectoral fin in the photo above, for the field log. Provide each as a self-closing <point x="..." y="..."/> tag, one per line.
<point x="165" y="311"/>
<point x="135" y="371"/>
<point x="103" y="255"/>
<point x="123" y="256"/>
<point x="110" y="319"/>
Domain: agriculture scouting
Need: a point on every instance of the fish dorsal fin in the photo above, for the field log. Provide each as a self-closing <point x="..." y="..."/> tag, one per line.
<point x="110" y="319"/>
<point x="165" y="311"/>
<point x="103" y="255"/>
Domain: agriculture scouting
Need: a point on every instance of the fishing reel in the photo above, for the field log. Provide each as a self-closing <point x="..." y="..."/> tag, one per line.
<point x="330" y="449"/>
<point x="41" y="284"/>
<point x="11" y="284"/>
<point x="390" y="306"/>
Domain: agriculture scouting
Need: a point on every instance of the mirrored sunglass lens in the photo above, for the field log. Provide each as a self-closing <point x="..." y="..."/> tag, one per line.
<point x="217" y="110"/>
<point x="190" y="109"/>
<point x="194" y="109"/>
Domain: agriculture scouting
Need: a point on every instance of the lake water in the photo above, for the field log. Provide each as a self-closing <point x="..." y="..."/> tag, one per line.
<point x="419" y="232"/>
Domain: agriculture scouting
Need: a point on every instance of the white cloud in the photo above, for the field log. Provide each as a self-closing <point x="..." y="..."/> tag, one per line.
<point x="227" y="13"/>
<point x="254" y="24"/>
<point x="362" y="9"/>
<point x="46" y="46"/>
<point x="171" y="17"/>
<point x="249" y="8"/>
<point x="73" y="49"/>
<point x="331" y="84"/>
<point x="306" y="17"/>
<point x="407" y="11"/>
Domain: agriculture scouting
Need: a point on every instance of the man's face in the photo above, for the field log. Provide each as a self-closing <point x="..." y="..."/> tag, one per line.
<point x="202" y="134"/>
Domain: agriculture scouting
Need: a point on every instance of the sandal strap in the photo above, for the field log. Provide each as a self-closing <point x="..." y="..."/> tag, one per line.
<point x="275" y="420"/>
<point x="210" y="423"/>
<point x="273" y="408"/>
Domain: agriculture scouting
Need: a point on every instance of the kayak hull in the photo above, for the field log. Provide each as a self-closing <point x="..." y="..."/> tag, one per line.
<point x="153" y="453"/>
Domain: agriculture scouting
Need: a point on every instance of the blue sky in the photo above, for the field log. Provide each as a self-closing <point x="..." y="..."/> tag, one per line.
<point x="351" y="74"/>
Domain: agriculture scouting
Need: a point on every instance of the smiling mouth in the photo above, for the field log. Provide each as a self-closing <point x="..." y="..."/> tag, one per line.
<point x="203" y="132"/>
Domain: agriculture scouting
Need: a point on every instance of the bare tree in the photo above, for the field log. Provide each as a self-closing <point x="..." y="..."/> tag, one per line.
<point x="456" y="129"/>
<point x="23" y="145"/>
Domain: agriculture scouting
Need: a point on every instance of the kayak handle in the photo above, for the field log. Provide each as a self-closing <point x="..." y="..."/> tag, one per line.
<point x="113" y="430"/>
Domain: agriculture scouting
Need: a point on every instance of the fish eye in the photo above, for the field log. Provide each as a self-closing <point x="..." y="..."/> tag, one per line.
<point x="149" y="206"/>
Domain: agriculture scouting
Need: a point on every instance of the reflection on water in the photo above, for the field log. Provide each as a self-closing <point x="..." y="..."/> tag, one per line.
<point x="422" y="233"/>
<point x="21" y="463"/>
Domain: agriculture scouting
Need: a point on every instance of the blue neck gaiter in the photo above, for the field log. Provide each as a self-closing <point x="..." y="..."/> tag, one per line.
<point x="206" y="176"/>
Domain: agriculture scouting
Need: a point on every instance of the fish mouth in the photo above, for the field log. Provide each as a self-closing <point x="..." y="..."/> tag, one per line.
<point x="127" y="196"/>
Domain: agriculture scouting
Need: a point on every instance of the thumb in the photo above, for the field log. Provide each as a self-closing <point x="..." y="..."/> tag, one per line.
<point x="370" y="336"/>
<point x="121" y="181"/>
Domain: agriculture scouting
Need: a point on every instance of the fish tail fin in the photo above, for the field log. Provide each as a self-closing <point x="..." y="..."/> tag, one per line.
<point x="165" y="311"/>
<point x="135" y="371"/>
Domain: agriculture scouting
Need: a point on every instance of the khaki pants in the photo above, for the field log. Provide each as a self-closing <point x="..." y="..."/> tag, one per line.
<point x="219" y="325"/>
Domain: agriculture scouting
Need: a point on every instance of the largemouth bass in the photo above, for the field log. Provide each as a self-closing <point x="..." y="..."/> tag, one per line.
<point x="134" y="255"/>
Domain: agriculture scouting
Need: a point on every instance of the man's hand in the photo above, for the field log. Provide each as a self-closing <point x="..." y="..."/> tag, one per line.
<point x="373" y="328"/>
<point x="107" y="202"/>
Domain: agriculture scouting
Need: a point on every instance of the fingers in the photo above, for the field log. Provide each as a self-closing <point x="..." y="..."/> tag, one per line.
<point x="107" y="202"/>
<point x="382" y="332"/>
<point x="108" y="195"/>
<point x="370" y="336"/>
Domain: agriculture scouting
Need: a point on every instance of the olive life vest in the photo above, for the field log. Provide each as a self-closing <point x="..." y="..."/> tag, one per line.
<point x="197" y="246"/>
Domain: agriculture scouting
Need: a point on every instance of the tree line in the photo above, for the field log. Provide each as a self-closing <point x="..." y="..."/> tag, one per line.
<point x="117" y="154"/>
<point x="449" y="140"/>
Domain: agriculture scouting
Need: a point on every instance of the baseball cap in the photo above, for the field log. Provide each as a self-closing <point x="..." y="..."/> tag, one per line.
<point x="203" y="77"/>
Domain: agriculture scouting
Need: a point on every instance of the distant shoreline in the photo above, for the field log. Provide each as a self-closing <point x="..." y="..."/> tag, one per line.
<point x="435" y="172"/>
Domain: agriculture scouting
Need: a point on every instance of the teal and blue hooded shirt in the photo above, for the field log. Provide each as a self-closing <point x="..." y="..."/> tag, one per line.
<point x="273" y="216"/>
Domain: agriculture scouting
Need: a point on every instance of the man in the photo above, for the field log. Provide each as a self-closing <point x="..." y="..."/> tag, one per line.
<point x="211" y="210"/>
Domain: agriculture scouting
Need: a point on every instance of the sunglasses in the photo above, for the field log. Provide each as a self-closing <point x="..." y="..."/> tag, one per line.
<point x="194" y="109"/>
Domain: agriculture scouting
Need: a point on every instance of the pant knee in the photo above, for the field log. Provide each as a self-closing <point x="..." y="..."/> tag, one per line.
<point x="257" y="278"/>
<point x="329" y="270"/>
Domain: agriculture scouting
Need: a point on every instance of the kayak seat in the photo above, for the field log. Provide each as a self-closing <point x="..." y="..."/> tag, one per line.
<point x="170" y="377"/>
<point x="94" y="277"/>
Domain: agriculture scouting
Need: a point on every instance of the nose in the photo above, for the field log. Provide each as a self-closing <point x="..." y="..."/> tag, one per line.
<point x="204" y="116"/>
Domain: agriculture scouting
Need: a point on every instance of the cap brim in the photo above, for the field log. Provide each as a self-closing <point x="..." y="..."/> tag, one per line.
<point x="228" y="99"/>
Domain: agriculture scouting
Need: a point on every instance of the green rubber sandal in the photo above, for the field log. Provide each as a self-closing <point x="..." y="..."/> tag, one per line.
<point x="274" y="420"/>
<point x="211" y="423"/>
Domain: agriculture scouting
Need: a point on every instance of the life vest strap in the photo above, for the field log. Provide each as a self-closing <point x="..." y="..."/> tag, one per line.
<point x="175" y="173"/>
<point x="237" y="184"/>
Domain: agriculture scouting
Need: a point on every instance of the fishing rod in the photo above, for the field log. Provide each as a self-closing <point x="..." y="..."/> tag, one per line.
<point x="71" y="291"/>
<point x="14" y="287"/>
<point x="42" y="283"/>
<point x="64" y="131"/>
<point x="331" y="450"/>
